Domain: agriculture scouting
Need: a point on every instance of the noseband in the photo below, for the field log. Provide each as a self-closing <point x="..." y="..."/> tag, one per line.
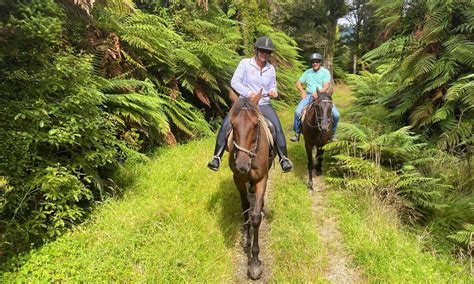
<point x="319" y="119"/>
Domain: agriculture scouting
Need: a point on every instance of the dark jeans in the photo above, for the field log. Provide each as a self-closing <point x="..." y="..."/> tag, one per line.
<point x="270" y="114"/>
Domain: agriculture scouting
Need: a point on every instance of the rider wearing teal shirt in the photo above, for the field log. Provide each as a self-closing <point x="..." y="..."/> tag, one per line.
<point x="316" y="79"/>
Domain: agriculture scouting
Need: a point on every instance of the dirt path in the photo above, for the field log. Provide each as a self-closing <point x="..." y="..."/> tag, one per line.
<point x="240" y="258"/>
<point x="338" y="269"/>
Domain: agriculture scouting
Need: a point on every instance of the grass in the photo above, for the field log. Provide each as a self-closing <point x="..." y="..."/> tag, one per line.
<point x="173" y="224"/>
<point x="386" y="250"/>
<point x="297" y="250"/>
<point x="179" y="222"/>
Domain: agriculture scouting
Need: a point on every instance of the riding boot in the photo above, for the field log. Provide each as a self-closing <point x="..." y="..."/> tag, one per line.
<point x="285" y="163"/>
<point x="215" y="163"/>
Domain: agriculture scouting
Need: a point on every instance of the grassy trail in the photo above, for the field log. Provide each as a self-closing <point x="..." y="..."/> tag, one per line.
<point x="180" y="222"/>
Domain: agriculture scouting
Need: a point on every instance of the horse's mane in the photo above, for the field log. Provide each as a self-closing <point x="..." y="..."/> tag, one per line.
<point x="243" y="103"/>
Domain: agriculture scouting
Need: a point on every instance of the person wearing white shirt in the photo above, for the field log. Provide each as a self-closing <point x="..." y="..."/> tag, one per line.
<point x="251" y="76"/>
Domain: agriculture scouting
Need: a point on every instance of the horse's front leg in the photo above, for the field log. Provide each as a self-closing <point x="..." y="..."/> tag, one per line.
<point x="319" y="161"/>
<point x="309" y="156"/>
<point x="242" y="187"/>
<point x="255" y="265"/>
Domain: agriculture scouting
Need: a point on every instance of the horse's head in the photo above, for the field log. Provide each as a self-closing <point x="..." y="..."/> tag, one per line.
<point x="244" y="119"/>
<point x="323" y="111"/>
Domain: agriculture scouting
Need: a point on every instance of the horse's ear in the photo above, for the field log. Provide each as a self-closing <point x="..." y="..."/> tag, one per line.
<point x="257" y="97"/>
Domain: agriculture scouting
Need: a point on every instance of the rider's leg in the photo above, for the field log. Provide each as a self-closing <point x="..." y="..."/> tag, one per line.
<point x="297" y="121"/>
<point x="220" y="145"/>
<point x="271" y="115"/>
<point x="335" y="117"/>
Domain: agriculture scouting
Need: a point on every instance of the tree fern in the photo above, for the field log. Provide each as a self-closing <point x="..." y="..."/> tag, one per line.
<point x="142" y="105"/>
<point x="433" y="58"/>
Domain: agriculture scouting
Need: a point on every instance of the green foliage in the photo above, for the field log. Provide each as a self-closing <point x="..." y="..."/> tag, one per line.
<point x="188" y="53"/>
<point x="137" y="103"/>
<point x="465" y="236"/>
<point x="427" y="185"/>
<point x="407" y="174"/>
<point x="384" y="249"/>
<point x="431" y="60"/>
<point x="56" y="135"/>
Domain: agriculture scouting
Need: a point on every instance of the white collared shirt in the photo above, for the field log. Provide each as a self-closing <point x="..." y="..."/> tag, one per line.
<point x="249" y="78"/>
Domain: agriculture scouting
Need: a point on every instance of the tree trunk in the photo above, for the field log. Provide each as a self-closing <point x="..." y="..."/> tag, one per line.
<point x="331" y="38"/>
<point x="354" y="64"/>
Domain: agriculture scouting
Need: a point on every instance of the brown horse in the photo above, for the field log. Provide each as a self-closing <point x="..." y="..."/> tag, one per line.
<point x="250" y="158"/>
<point x="317" y="131"/>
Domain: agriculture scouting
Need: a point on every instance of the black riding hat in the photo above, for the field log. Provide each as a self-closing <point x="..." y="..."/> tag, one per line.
<point x="315" y="56"/>
<point x="264" y="42"/>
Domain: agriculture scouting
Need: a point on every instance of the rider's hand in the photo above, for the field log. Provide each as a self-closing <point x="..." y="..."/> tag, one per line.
<point x="272" y="94"/>
<point x="315" y="95"/>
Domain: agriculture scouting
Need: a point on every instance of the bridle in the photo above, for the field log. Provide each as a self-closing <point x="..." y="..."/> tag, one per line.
<point x="319" y="119"/>
<point x="252" y="153"/>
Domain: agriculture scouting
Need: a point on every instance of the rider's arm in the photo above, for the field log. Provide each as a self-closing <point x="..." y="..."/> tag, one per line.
<point x="325" y="87"/>
<point x="326" y="81"/>
<point x="237" y="81"/>
<point x="300" y="88"/>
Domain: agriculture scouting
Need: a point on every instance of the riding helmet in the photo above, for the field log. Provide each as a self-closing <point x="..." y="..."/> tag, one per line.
<point x="315" y="56"/>
<point x="264" y="42"/>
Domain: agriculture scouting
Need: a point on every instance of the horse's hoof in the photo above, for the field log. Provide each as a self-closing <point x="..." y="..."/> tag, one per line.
<point x="255" y="270"/>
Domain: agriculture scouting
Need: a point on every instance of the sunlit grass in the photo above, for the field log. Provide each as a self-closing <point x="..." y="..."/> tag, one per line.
<point x="179" y="222"/>
<point x="295" y="245"/>
<point x="174" y="224"/>
<point x="386" y="250"/>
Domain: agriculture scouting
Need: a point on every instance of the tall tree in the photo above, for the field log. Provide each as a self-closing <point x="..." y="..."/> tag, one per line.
<point x="334" y="9"/>
<point x="362" y="30"/>
<point x="312" y="23"/>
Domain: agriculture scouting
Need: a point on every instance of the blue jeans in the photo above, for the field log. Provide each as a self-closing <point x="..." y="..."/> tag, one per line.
<point x="299" y="109"/>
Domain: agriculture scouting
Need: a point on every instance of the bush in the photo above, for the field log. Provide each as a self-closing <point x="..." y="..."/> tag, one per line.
<point x="56" y="136"/>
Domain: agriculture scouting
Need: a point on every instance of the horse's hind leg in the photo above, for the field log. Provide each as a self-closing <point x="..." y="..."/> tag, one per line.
<point x="255" y="265"/>
<point x="319" y="161"/>
<point x="242" y="187"/>
<point x="309" y="156"/>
